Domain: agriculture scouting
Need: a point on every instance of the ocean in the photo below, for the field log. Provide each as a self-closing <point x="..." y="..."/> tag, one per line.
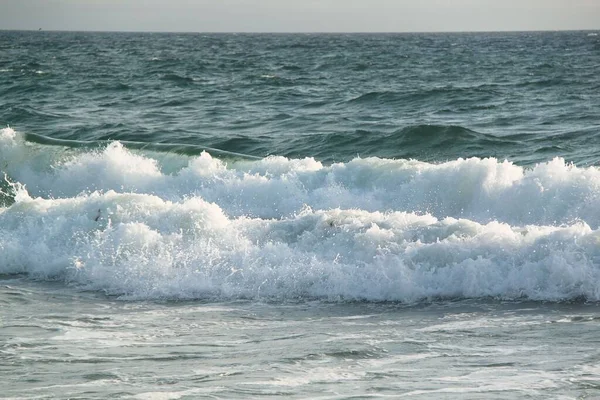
<point x="299" y="216"/>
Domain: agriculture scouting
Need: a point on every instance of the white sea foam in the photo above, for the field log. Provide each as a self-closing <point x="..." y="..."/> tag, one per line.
<point x="144" y="225"/>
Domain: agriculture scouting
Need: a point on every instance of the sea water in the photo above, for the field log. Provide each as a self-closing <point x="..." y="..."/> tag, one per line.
<point x="299" y="216"/>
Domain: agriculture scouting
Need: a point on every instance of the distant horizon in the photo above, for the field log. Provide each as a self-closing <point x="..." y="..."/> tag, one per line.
<point x="300" y="32"/>
<point x="306" y="16"/>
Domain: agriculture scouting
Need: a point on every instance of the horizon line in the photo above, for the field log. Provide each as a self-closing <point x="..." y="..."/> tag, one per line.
<point x="301" y="32"/>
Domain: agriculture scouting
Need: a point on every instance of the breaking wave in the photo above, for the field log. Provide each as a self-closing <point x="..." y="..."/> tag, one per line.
<point x="146" y="224"/>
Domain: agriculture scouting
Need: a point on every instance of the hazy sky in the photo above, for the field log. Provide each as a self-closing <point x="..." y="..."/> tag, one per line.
<point x="300" y="16"/>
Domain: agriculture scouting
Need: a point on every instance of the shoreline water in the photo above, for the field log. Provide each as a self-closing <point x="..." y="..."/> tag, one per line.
<point x="149" y="350"/>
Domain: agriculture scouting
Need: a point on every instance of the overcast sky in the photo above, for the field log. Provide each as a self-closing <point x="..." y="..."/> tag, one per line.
<point x="300" y="16"/>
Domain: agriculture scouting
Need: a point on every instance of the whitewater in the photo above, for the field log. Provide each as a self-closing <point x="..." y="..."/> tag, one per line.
<point x="149" y="227"/>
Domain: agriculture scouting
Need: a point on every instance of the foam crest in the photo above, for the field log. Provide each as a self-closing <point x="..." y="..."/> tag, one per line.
<point x="482" y="190"/>
<point x="147" y="225"/>
<point x="140" y="246"/>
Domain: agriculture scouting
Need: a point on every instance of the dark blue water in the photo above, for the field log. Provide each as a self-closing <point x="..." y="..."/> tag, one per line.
<point x="526" y="97"/>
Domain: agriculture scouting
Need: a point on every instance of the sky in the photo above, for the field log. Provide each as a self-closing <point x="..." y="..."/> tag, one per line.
<point x="300" y="16"/>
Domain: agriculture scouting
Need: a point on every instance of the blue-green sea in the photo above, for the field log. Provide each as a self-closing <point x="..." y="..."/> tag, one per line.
<point x="299" y="216"/>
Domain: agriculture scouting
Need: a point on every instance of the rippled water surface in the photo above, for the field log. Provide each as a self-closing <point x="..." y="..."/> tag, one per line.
<point x="62" y="344"/>
<point x="523" y="96"/>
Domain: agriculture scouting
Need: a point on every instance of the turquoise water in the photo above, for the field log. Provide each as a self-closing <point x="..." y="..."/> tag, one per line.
<point x="299" y="216"/>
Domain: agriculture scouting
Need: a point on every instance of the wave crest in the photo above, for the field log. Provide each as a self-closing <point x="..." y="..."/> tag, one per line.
<point x="141" y="224"/>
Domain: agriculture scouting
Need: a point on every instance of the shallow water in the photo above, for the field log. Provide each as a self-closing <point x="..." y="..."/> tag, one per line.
<point x="58" y="342"/>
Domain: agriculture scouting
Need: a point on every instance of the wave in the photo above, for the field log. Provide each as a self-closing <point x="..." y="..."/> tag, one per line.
<point x="179" y="148"/>
<point x="384" y="96"/>
<point x="424" y="142"/>
<point x="177" y="79"/>
<point x="441" y="94"/>
<point x="142" y="224"/>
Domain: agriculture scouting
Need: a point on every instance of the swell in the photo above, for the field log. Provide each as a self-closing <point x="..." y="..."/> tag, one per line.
<point x="435" y="94"/>
<point x="176" y="148"/>
<point x="424" y="142"/>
